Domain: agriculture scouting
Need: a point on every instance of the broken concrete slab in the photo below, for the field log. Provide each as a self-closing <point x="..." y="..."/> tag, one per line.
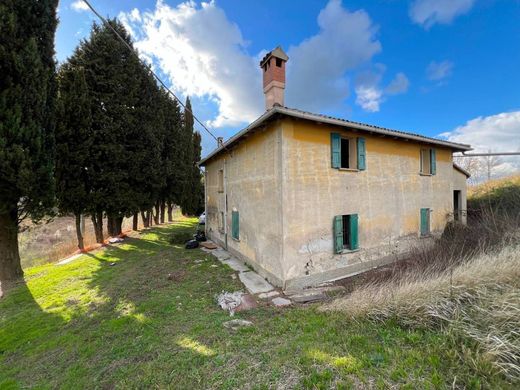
<point x="254" y="283"/>
<point x="237" y="324"/>
<point x="236" y="264"/>
<point x="221" y="254"/>
<point x="280" y="302"/>
<point x="268" y="295"/>
<point x="308" y="297"/>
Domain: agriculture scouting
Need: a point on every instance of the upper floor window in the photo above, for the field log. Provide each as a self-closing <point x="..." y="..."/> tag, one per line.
<point x="347" y="152"/>
<point x="428" y="162"/>
<point x="220" y="180"/>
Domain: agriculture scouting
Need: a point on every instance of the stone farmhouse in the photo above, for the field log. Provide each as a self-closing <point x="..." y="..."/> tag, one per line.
<point x="306" y="198"/>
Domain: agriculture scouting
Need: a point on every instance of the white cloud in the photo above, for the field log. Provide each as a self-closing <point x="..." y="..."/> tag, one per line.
<point x="437" y="71"/>
<point x="496" y="133"/>
<point x="203" y="54"/>
<point x="317" y="68"/>
<point x="398" y="85"/>
<point x="370" y="94"/>
<point x="79" y="6"/>
<point x="429" y="12"/>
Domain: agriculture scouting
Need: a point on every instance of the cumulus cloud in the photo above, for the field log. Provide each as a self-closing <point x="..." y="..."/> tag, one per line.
<point x="317" y="69"/>
<point x="369" y="92"/>
<point x="203" y="54"/>
<point x="437" y="71"/>
<point x="429" y="12"/>
<point x="497" y="133"/>
<point x="79" y="6"/>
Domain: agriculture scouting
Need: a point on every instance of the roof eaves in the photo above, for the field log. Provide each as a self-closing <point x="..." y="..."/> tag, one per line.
<point x="371" y="128"/>
<point x="240" y="134"/>
<point x="462" y="170"/>
<point x="333" y="121"/>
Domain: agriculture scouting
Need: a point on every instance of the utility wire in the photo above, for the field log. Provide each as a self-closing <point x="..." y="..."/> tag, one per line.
<point x="151" y="71"/>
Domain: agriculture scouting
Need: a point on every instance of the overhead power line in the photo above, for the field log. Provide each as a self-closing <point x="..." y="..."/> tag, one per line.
<point x="488" y="154"/>
<point x="103" y="19"/>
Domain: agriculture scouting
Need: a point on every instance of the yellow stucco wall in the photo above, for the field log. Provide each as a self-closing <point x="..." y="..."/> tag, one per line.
<point x="387" y="197"/>
<point x="281" y="181"/>
<point x="252" y="177"/>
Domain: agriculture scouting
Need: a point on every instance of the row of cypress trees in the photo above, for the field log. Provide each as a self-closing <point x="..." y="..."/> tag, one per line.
<point x="134" y="152"/>
<point x="97" y="137"/>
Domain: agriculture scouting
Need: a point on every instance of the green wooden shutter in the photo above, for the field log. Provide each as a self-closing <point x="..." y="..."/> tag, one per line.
<point x="433" y="163"/>
<point x="235" y="227"/>
<point x="335" y="147"/>
<point x="361" y="154"/>
<point x="425" y="216"/>
<point x="338" y="234"/>
<point x="354" y="242"/>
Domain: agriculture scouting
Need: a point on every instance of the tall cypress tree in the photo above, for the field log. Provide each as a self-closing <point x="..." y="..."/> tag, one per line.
<point x="114" y="78"/>
<point x="73" y="144"/>
<point x="193" y="191"/>
<point x="27" y="102"/>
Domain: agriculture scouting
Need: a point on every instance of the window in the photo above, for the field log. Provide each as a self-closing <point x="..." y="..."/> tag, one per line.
<point x="235" y="225"/>
<point x="279" y="62"/>
<point x="348" y="152"/>
<point x="428" y="162"/>
<point x="345" y="233"/>
<point x="220" y="180"/>
<point x="425" y="222"/>
<point x="221" y="222"/>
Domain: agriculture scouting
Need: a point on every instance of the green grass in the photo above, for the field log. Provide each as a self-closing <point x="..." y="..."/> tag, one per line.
<point x="90" y="324"/>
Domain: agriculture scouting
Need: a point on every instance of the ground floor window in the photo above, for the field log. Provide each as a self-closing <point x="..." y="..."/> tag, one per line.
<point x="345" y="232"/>
<point x="425" y="222"/>
<point x="221" y="221"/>
<point x="235" y="225"/>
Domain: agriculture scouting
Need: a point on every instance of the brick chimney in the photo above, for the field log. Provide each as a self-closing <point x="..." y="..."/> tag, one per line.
<point x="273" y="69"/>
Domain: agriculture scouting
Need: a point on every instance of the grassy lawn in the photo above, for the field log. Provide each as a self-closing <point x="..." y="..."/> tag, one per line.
<point x="112" y="319"/>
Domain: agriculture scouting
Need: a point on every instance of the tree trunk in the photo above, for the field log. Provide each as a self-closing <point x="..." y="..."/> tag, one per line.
<point x="170" y="212"/>
<point x="118" y="226"/>
<point x="156" y="214"/>
<point x="163" y="211"/>
<point x="10" y="267"/>
<point x="81" y="245"/>
<point x="144" y="217"/>
<point x="97" y="221"/>
<point x="110" y="225"/>
<point x="150" y="216"/>
<point x="135" y="222"/>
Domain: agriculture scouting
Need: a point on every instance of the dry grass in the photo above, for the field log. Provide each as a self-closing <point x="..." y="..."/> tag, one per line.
<point x="479" y="299"/>
<point x="467" y="284"/>
<point x="55" y="240"/>
<point x="492" y="185"/>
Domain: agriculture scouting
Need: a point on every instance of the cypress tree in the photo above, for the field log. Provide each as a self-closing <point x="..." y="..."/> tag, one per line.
<point x="193" y="190"/>
<point x="27" y="103"/>
<point x="73" y="144"/>
<point x="114" y="79"/>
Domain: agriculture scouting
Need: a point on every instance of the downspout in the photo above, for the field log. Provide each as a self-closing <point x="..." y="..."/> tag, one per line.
<point x="206" y="202"/>
<point x="225" y="206"/>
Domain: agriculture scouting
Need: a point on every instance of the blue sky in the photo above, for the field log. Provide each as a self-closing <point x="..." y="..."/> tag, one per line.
<point x="434" y="67"/>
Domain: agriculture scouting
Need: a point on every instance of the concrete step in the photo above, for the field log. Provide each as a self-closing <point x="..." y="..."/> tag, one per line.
<point x="254" y="283"/>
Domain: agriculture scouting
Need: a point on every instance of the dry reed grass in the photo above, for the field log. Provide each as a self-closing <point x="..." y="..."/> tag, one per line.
<point x="467" y="284"/>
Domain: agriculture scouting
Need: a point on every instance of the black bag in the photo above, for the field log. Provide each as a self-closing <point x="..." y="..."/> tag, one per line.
<point x="192" y="244"/>
<point x="200" y="236"/>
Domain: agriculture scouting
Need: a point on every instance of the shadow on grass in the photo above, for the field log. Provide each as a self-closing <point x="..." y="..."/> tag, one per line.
<point x="114" y="318"/>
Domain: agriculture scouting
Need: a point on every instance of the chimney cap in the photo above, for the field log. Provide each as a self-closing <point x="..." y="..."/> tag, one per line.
<point x="277" y="52"/>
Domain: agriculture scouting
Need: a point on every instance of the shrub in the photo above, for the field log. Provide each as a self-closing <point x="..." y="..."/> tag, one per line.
<point x="467" y="283"/>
